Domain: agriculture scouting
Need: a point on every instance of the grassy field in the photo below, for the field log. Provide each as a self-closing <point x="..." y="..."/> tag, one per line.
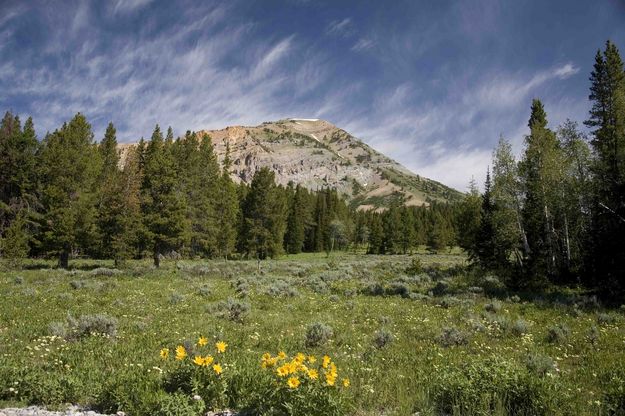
<point x="430" y="340"/>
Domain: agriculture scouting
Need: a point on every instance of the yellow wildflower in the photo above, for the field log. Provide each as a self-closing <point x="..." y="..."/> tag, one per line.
<point x="198" y="360"/>
<point x="300" y="358"/>
<point x="312" y="374"/>
<point x="202" y="341"/>
<point x="221" y="346"/>
<point x="217" y="368"/>
<point x="266" y="356"/>
<point x="326" y="361"/>
<point x="181" y="353"/>
<point x="164" y="353"/>
<point x="330" y="379"/>
<point x="283" y="370"/>
<point x="282" y="355"/>
<point x="208" y="360"/>
<point x="346" y="382"/>
<point x="312" y="359"/>
<point x="293" y="382"/>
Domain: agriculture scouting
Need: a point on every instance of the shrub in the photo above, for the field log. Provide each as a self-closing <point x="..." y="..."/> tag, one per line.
<point x="178" y="404"/>
<point x="606" y="319"/>
<point x="519" y="327"/>
<point x="539" y="364"/>
<point x="77" y="284"/>
<point x="176" y="298"/>
<point x="233" y="309"/>
<point x="280" y="288"/>
<point x="397" y="288"/>
<point x="493" y="307"/>
<point x="18" y="280"/>
<point x="441" y="288"/>
<point x="374" y="289"/>
<point x="318" y="334"/>
<point x="558" y="333"/>
<point x="104" y="271"/>
<point x="415" y="267"/>
<point x="451" y="336"/>
<point x="492" y="386"/>
<point x="204" y="290"/>
<point x="99" y="324"/>
<point x="85" y="325"/>
<point x="382" y="338"/>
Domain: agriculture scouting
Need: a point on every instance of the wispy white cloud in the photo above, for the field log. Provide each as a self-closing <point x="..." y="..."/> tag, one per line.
<point x="363" y="44"/>
<point x="129" y="6"/>
<point x="566" y="70"/>
<point x="343" y="27"/>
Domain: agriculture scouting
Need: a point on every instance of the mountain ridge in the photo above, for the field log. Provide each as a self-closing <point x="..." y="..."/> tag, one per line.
<point x="315" y="154"/>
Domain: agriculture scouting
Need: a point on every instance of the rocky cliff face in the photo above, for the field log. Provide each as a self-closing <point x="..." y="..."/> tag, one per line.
<point x="317" y="154"/>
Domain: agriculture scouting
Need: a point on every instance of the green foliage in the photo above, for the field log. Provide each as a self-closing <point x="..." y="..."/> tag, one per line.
<point x="162" y="204"/>
<point x="318" y="334"/>
<point x="264" y="213"/>
<point x="69" y="167"/>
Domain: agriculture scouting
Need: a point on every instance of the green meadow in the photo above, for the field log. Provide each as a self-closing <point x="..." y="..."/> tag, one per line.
<point x="418" y="334"/>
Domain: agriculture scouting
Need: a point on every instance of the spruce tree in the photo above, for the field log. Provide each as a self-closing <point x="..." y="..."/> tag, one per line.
<point x="264" y="216"/>
<point x="226" y="209"/>
<point x="296" y="222"/>
<point x="163" y="203"/>
<point x="468" y="218"/>
<point x="70" y="165"/>
<point x="118" y="201"/>
<point x="606" y="260"/>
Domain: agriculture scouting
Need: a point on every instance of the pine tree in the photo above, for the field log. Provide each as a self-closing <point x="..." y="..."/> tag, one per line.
<point x="19" y="180"/>
<point x="468" y="218"/>
<point x="296" y="223"/>
<point x="606" y="262"/>
<point x="541" y="176"/>
<point x="118" y="200"/>
<point x="69" y="168"/>
<point x="226" y="209"/>
<point x="199" y="173"/>
<point x="264" y="216"/>
<point x="14" y="241"/>
<point x="163" y="203"/>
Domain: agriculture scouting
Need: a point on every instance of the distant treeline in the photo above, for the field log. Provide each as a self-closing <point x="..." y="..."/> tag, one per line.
<point x="557" y="216"/>
<point x="67" y="196"/>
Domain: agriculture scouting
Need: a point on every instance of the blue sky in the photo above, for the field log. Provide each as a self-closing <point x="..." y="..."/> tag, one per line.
<point x="432" y="84"/>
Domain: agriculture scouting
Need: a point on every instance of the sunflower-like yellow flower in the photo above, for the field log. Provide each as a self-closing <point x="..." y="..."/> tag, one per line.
<point x="326" y="361"/>
<point x="221" y="347"/>
<point x="283" y="370"/>
<point x="281" y="355"/>
<point x="181" y="353"/>
<point x="217" y="369"/>
<point x="202" y="341"/>
<point x="312" y="374"/>
<point x="330" y="379"/>
<point x="300" y="358"/>
<point x="208" y="360"/>
<point x="198" y="360"/>
<point x="293" y="382"/>
<point x="266" y="356"/>
<point x="346" y="382"/>
<point x="312" y="359"/>
<point x="164" y="353"/>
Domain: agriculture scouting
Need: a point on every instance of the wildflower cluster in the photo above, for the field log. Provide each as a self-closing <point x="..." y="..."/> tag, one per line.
<point x="201" y="357"/>
<point x="302" y="368"/>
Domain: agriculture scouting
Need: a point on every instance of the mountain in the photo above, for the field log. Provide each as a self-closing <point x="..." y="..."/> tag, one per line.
<point x="314" y="153"/>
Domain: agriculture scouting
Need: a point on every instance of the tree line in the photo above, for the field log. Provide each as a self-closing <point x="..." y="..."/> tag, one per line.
<point x="69" y="195"/>
<point x="557" y="215"/>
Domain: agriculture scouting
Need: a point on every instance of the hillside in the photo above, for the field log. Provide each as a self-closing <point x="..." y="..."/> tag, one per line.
<point x="316" y="154"/>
